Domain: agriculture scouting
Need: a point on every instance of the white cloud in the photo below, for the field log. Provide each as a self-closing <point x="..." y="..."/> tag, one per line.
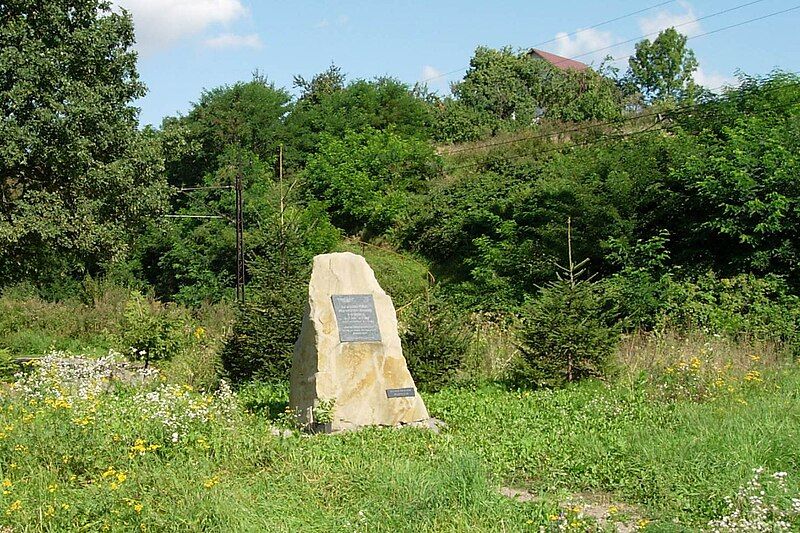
<point x="714" y="80"/>
<point x="341" y="20"/>
<point x="685" y="22"/>
<point x="160" y="23"/>
<point x="429" y="72"/>
<point x="583" y="43"/>
<point x="231" y="40"/>
<point x="433" y="78"/>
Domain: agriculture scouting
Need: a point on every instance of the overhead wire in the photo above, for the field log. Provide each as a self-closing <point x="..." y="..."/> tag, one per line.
<point x="634" y="39"/>
<point x="662" y="115"/>
<point x="572" y="34"/>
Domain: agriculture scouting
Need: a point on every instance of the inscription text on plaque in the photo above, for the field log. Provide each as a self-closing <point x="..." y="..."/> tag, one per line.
<point x="356" y="318"/>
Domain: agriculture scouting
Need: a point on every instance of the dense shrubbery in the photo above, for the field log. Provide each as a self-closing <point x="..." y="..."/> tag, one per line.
<point x="152" y="331"/>
<point x="435" y="343"/>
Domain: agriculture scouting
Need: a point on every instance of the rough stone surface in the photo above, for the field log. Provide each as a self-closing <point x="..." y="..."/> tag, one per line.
<point x="355" y="375"/>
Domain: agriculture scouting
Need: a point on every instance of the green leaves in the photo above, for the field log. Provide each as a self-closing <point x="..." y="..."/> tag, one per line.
<point x="367" y="179"/>
<point x="662" y="70"/>
<point x="76" y="178"/>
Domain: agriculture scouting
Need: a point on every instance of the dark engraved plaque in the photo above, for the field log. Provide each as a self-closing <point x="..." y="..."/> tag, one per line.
<point x="356" y="318"/>
<point x="400" y="393"/>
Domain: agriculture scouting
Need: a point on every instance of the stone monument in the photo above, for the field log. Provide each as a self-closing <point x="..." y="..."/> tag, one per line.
<point x="348" y="368"/>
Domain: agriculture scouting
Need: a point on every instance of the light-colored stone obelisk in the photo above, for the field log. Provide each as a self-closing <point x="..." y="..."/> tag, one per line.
<point x="349" y="352"/>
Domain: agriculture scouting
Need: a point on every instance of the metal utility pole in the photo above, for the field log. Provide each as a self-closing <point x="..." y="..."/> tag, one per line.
<point x="239" y="238"/>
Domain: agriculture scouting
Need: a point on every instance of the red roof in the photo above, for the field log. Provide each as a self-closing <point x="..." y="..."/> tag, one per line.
<point x="564" y="63"/>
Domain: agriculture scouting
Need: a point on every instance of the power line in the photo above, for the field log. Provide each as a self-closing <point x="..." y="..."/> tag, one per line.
<point x="736" y="25"/>
<point x="634" y="39"/>
<point x="693" y="21"/>
<point x="609" y="21"/>
<point x="607" y="137"/>
<point x="578" y="32"/>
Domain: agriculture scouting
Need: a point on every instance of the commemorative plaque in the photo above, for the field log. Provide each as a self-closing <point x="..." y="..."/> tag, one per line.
<point x="406" y="392"/>
<point x="356" y="318"/>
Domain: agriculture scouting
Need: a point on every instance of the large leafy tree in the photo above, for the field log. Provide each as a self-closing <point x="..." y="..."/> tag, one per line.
<point x="368" y="180"/>
<point x="662" y="70"/>
<point x="329" y="107"/>
<point x="515" y="89"/>
<point x="246" y="114"/>
<point x="76" y="178"/>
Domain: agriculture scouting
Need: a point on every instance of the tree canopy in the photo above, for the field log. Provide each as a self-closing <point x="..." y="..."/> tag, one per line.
<point x="663" y="69"/>
<point x="76" y="178"/>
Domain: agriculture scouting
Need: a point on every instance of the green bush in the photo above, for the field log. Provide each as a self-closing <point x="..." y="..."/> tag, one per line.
<point x="565" y="336"/>
<point x="264" y="334"/>
<point x="153" y="331"/>
<point x="738" y="307"/>
<point x="435" y="345"/>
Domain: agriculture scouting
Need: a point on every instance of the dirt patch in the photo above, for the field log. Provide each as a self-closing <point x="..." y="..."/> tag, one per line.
<point x="518" y="494"/>
<point x="600" y="507"/>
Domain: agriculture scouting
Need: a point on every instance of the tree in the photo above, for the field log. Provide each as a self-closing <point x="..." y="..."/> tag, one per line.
<point x="566" y="336"/>
<point x="328" y="108"/>
<point x="246" y="114"/>
<point x="321" y="85"/>
<point x="662" y="70"/>
<point x="368" y="179"/>
<point x="76" y="178"/>
<point x="515" y="89"/>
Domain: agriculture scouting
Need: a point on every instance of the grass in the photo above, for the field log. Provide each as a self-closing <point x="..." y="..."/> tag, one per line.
<point x="680" y="428"/>
<point x="672" y="458"/>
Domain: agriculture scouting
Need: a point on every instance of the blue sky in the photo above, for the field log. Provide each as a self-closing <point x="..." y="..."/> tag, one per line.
<point x="186" y="46"/>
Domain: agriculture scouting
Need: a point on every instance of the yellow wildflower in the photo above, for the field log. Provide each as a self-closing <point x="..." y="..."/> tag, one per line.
<point x="16" y="506"/>
<point x="7" y="482"/>
<point x="753" y="375"/>
<point x="52" y="487"/>
<point x="210" y="482"/>
<point x="138" y="507"/>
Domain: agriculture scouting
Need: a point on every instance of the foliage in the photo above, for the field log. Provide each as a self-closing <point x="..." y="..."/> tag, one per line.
<point x="762" y="504"/>
<point x="435" y="344"/>
<point x="458" y="122"/>
<point x="744" y="175"/>
<point x="678" y="460"/>
<point x="516" y="89"/>
<point x="367" y="179"/>
<point x="77" y="180"/>
<point x="741" y="307"/>
<point x="676" y="464"/>
<point x="663" y="70"/>
<point x="332" y="109"/>
<point x="264" y="334"/>
<point x="565" y="336"/>
<point x="248" y="115"/>
<point x="638" y="290"/>
<point x="152" y="331"/>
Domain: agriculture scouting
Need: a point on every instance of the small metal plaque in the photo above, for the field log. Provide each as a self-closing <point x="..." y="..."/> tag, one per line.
<point x="400" y="393"/>
<point x="356" y="318"/>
